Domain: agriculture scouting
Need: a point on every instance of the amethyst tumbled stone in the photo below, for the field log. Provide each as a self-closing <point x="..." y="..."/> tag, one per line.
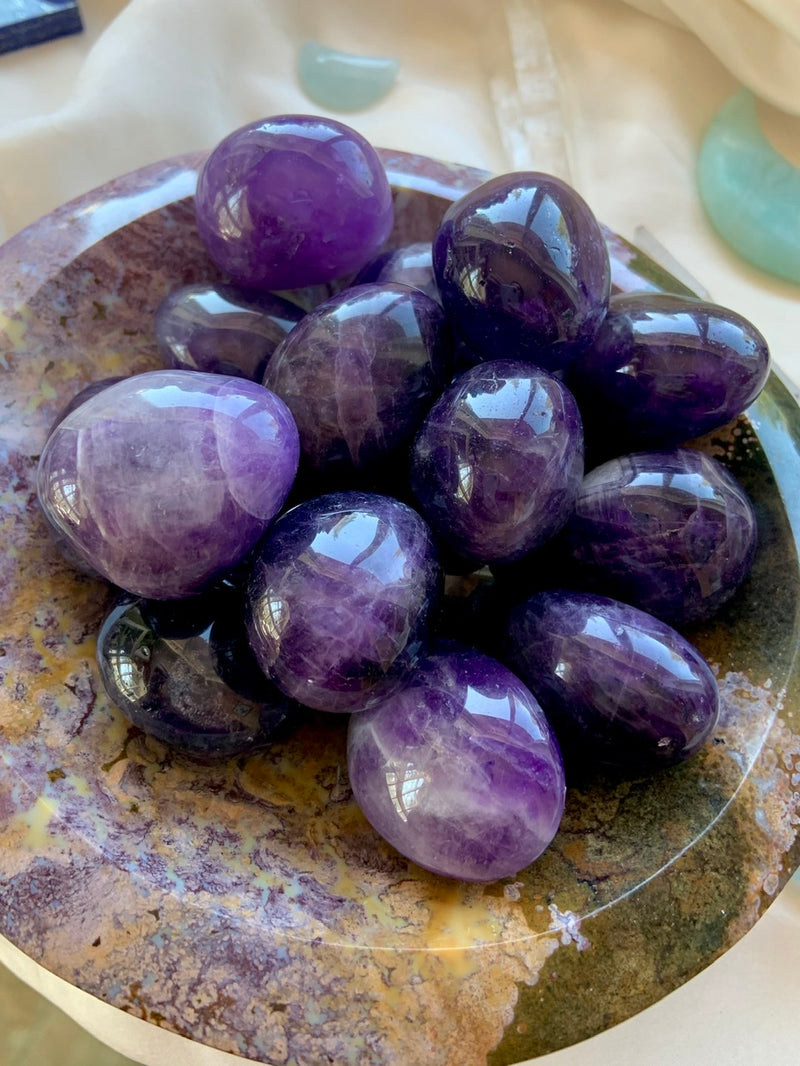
<point x="498" y="461"/>
<point x="671" y="532"/>
<point x="293" y="200"/>
<point x="666" y="368"/>
<point x="410" y="264"/>
<point x="359" y="373"/>
<point x="184" y="673"/>
<point x="222" y="329"/>
<point x="339" y="599"/>
<point x="622" y="689"/>
<point x="459" y="770"/>
<point x="166" y="480"/>
<point x="523" y="270"/>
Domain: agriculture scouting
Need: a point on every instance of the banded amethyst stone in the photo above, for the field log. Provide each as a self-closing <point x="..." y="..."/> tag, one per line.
<point x="523" y="270"/>
<point x="184" y="673"/>
<point x="664" y="369"/>
<point x="411" y="264"/>
<point x="164" y="481"/>
<point x="293" y="200"/>
<point x="622" y="689"/>
<point x="459" y="770"/>
<point x="670" y="532"/>
<point x="359" y="374"/>
<point x="498" y="461"/>
<point x="339" y="599"/>
<point x="223" y="330"/>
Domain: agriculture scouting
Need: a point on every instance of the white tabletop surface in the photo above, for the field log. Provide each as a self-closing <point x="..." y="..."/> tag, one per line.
<point x="601" y="92"/>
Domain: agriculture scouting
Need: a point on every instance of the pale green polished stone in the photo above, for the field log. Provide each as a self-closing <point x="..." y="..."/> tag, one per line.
<point x="339" y="81"/>
<point x="750" y="191"/>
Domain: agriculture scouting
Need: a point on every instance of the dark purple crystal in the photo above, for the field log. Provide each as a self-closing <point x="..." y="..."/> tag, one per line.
<point x="664" y="369"/>
<point x="184" y="673"/>
<point x="671" y="532"/>
<point x="223" y="330"/>
<point x="166" y="480"/>
<point x="459" y="770"/>
<point x="621" y="688"/>
<point x="523" y="270"/>
<point x="498" y="461"/>
<point x="360" y="372"/>
<point x="339" y="599"/>
<point x="293" y="200"/>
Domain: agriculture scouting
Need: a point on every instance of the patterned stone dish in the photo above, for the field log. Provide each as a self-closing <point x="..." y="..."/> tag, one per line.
<point x="249" y="905"/>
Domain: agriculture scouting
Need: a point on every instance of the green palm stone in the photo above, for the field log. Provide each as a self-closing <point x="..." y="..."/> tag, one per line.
<point x="339" y="81"/>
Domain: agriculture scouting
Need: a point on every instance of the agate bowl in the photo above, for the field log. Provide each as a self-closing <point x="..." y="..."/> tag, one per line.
<point x="248" y="905"/>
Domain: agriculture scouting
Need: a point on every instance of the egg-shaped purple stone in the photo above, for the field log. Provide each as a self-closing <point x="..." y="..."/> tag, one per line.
<point x="523" y="270"/>
<point x="359" y="374"/>
<point x="498" y="461"/>
<point x="410" y="264"/>
<point x="621" y="688"/>
<point x="671" y="532"/>
<point x="340" y="596"/>
<point x="221" y="329"/>
<point x="184" y="673"/>
<point x="665" y="368"/>
<point x="166" y="480"/>
<point x="293" y="200"/>
<point x="459" y="770"/>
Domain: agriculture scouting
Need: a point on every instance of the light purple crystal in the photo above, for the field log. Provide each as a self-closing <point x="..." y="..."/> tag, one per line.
<point x="293" y="200"/>
<point x="166" y="480"/>
<point x="498" y="461"/>
<point x="522" y="268"/>
<point x="671" y="532"/>
<point x="223" y="330"/>
<point x="411" y="264"/>
<point x="339" y="599"/>
<point x="621" y="688"/>
<point x="360" y="372"/>
<point x="459" y="770"/>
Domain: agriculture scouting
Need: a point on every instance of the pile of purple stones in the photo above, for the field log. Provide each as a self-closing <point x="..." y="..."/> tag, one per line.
<point x="381" y="507"/>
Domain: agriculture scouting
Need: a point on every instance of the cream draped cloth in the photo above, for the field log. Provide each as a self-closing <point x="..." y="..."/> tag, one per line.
<point x="612" y="96"/>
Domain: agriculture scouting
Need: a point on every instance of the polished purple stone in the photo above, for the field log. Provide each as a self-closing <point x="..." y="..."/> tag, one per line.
<point x="498" y="461"/>
<point x="411" y="264"/>
<point x="671" y="532"/>
<point x="223" y="330"/>
<point x="459" y="770"/>
<point x="184" y="673"/>
<point x="621" y="688"/>
<point x="664" y="369"/>
<point x="340" y="597"/>
<point x="293" y="200"/>
<point x="360" y="372"/>
<point x="166" y="480"/>
<point x="523" y="271"/>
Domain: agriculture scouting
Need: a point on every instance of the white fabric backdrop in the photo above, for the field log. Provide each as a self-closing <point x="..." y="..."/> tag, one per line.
<point x="612" y="96"/>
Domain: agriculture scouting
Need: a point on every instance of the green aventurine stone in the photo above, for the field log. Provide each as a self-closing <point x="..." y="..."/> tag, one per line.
<point x="750" y="191"/>
<point x="339" y="81"/>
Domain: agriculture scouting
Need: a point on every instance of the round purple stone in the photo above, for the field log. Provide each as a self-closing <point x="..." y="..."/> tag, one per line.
<point x="498" y="461"/>
<point x="339" y="599"/>
<point x="293" y="200"/>
<point x="359" y="373"/>
<point x="670" y="532"/>
<point x="223" y="330"/>
<point x="664" y="369"/>
<point x="522" y="268"/>
<point x="459" y="770"/>
<point x="411" y="264"/>
<point x="183" y="672"/>
<point x="166" y="480"/>
<point x="621" y="688"/>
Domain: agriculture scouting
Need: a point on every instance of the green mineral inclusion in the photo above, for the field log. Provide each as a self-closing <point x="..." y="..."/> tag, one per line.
<point x="749" y="190"/>
<point x="339" y="81"/>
